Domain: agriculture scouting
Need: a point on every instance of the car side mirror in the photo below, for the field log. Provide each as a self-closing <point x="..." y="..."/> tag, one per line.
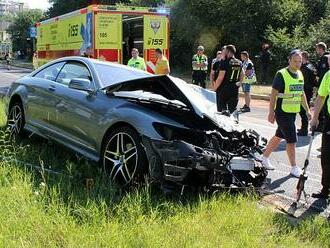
<point x="81" y="84"/>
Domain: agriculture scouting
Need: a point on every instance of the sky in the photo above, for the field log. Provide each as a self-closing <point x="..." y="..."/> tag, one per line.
<point x="37" y="4"/>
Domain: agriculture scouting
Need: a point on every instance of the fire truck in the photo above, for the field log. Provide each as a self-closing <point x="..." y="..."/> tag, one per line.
<point x="104" y="32"/>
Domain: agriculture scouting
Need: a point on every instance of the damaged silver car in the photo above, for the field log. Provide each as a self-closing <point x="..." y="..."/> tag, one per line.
<point x="137" y="125"/>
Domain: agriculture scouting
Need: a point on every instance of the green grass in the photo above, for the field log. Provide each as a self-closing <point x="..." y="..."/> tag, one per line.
<point x="38" y="209"/>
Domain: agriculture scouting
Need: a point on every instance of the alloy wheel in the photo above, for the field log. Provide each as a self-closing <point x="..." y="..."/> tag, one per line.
<point x="121" y="158"/>
<point x="15" y="120"/>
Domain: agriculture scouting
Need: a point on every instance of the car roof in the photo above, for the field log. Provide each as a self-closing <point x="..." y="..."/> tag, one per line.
<point x="130" y="73"/>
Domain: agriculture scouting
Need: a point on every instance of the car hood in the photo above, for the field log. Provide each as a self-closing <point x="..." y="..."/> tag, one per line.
<point x="204" y="103"/>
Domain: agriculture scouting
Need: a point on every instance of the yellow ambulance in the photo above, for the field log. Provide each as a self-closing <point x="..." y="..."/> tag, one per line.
<point x="104" y="32"/>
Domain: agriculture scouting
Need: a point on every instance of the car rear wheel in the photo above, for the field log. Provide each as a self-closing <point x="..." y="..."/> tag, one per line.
<point x="124" y="158"/>
<point x="16" y="120"/>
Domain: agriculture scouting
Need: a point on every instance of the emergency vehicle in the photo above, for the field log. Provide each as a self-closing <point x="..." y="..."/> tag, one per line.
<point x="106" y="33"/>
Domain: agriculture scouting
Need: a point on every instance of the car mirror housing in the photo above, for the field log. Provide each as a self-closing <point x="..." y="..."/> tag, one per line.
<point x="81" y="84"/>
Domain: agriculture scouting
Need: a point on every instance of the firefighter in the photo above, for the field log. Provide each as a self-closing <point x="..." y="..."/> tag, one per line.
<point x="249" y="78"/>
<point x="162" y="65"/>
<point x="307" y="70"/>
<point x="286" y="99"/>
<point x="227" y="84"/>
<point x="136" y="61"/>
<point x="199" y="67"/>
<point x="323" y="94"/>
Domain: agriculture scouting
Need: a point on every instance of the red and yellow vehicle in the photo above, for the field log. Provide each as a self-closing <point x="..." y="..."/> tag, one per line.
<point x="104" y="32"/>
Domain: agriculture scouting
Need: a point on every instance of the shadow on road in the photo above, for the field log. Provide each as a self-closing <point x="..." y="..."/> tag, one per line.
<point x="302" y="141"/>
<point x="315" y="209"/>
<point x="277" y="183"/>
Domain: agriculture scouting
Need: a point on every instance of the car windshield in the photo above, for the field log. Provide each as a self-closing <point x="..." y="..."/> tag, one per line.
<point x="112" y="74"/>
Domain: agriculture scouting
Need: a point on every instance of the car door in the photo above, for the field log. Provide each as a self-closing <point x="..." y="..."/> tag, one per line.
<point x="75" y="109"/>
<point x="40" y="96"/>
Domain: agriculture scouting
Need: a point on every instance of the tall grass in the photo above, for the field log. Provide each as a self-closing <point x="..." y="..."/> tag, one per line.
<point x="38" y="209"/>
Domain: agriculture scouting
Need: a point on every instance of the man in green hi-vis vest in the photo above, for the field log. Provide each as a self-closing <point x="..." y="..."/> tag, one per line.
<point x="136" y="61"/>
<point x="286" y="99"/>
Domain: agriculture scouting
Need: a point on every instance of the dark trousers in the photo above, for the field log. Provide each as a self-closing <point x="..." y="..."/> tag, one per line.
<point x="325" y="156"/>
<point x="226" y="101"/>
<point x="303" y="114"/>
<point x="264" y="73"/>
<point x="199" y="78"/>
<point x="323" y="117"/>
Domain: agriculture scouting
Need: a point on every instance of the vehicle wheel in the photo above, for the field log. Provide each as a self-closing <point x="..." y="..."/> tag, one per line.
<point x="16" y="120"/>
<point x="123" y="157"/>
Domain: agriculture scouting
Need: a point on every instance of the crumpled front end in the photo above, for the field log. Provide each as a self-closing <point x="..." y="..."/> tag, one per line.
<point x="207" y="159"/>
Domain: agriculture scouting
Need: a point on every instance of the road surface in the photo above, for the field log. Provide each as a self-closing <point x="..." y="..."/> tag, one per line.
<point x="279" y="179"/>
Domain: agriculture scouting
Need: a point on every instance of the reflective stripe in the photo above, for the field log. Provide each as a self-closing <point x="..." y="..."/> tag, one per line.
<point x="282" y="95"/>
<point x="290" y="102"/>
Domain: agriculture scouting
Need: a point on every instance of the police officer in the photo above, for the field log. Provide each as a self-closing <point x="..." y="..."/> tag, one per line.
<point x="286" y="99"/>
<point x="307" y="70"/>
<point x="136" y="61"/>
<point x="323" y="94"/>
<point x="199" y="67"/>
<point x="229" y="79"/>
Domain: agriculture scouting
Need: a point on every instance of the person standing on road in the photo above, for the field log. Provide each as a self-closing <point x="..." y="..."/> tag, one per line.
<point x="229" y="79"/>
<point x="162" y="65"/>
<point x="321" y="68"/>
<point x="307" y="70"/>
<point x="286" y="99"/>
<point x="265" y="58"/>
<point x="215" y="66"/>
<point x="249" y="78"/>
<point x="221" y="57"/>
<point x="136" y="61"/>
<point x="323" y="94"/>
<point x="8" y="60"/>
<point x="199" y="67"/>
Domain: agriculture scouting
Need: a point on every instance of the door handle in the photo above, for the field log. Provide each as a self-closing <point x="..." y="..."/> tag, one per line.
<point x="52" y="88"/>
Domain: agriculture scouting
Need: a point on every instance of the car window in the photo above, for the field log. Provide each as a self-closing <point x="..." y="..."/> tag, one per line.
<point x="110" y="75"/>
<point x="50" y="72"/>
<point x="73" y="70"/>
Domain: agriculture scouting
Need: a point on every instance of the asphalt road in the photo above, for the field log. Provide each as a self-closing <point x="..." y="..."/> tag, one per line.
<point x="279" y="179"/>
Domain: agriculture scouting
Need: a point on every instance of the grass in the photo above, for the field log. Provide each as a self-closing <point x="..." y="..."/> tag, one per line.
<point x="38" y="209"/>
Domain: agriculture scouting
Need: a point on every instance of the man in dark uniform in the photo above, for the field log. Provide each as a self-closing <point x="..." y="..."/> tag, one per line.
<point x="307" y="70"/>
<point x="323" y="94"/>
<point x="322" y="67"/>
<point x="265" y="58"/>
<point x="221" y="56"/>
<point x="227" y="84"/>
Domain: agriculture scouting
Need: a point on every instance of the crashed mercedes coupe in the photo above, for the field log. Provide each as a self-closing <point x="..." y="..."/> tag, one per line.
<point x="137" y="125"/>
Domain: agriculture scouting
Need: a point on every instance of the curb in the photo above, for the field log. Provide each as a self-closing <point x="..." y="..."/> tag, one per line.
<point x="20" y="66"/>
<point x="257" y="96"/>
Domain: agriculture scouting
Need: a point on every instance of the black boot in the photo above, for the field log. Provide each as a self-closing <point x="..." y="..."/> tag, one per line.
<point x="323" y="194"/>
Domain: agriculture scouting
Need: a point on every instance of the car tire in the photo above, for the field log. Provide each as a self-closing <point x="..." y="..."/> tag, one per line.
<point x="123" y="157"/>
<point x="16" y="120"/>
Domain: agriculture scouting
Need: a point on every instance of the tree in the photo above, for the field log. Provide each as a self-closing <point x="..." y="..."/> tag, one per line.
<point x="20" y="26"/>
<point x="60" y="7"/>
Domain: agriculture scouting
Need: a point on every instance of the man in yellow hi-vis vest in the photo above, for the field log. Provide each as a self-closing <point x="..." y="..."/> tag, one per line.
<point x="286" y="99"/>
<point x="323" y="93"/>
<point x="199" y="67"/>
<point x="136" y="61"/>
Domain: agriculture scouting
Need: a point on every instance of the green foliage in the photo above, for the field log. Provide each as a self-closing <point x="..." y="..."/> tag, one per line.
<point x="19" y="28"/>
